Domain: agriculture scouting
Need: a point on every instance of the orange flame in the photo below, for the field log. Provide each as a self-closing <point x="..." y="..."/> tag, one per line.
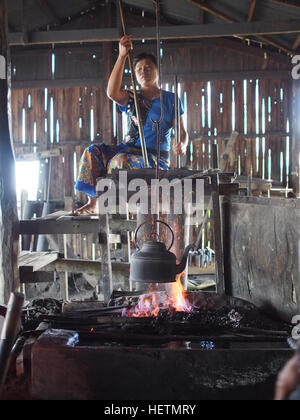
<point x="178" y="299"/>
<point x="174" y="300"/>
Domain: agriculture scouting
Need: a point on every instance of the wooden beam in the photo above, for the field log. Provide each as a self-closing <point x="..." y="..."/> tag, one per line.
<point x="72" y="266"/>
<point x="56" y="83"/>
<point x="167" y="33"/>
<point x="276" y="44"/>
<point x="252" y="10"/>
<point x="232" y="75"/>
<point x="212" y="11"/>
<point x="45" y="154"/>
<point x="228" y="19"/>
<point x="72" y="226"/>
<point x="26" y="277"/>
<point x="226" y="75"/>
<point x="9" y="239"/>
<point x="197" y="141"/>
<point x="3" y="29"/>
<point x="202" y="17"/>
<point x="25" y="19"/>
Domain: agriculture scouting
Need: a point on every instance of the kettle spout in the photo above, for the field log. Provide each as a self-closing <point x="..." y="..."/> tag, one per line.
<point x="181" y="267"/>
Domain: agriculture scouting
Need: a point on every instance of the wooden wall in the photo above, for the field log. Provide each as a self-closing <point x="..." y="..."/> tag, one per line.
<point x="261" y="243"/>
<point x="218" y="85"/>
<point x="262" y="145"/>
<point x="263" y="140"/>
<point x="221" y="81"/>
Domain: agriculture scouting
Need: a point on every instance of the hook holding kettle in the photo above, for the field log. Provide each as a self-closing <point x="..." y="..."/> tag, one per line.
<point x="153" y="233"/>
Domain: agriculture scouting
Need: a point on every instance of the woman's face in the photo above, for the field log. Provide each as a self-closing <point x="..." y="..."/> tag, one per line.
<point x="146" y="73"/>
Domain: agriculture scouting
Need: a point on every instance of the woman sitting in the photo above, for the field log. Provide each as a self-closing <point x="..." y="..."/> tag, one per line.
<point x="99" y="160"/>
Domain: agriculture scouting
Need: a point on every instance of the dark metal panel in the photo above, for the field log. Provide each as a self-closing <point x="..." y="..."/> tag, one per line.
<point x="38" y="17"/>
<point x="181" y="10"/>
<point x="269" y="10"/>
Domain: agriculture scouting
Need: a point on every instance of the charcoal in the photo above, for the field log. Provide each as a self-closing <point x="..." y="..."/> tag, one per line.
<point x="39" y="308"/>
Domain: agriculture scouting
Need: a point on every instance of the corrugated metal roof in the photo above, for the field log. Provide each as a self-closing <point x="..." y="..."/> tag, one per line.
<point x="178" y="10"/>
<point x="237" y="9"/>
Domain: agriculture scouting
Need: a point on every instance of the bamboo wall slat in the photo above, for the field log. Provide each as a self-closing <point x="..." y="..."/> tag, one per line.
<point x="261" y="153"/>
<point x="78" y="102"/>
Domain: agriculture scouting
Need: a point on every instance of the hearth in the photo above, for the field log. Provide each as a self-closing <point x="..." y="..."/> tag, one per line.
<point x="222" y="348"/>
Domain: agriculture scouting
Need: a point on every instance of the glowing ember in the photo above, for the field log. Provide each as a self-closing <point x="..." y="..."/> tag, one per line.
<point x="174" y="299"/>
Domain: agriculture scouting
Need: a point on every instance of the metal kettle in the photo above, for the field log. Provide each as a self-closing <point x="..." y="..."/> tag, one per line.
<point x="154" y="263"/>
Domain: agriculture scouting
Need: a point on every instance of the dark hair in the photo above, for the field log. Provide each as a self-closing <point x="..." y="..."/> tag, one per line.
<point x="144" y="56"/>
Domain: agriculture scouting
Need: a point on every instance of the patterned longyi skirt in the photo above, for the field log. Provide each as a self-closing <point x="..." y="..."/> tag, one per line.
<point x="98" y="161"/>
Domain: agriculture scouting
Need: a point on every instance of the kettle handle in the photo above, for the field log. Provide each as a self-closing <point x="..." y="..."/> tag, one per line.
<point x="147" y="223"/>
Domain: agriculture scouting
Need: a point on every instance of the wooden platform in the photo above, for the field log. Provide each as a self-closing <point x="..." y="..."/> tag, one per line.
<point x="35" y="261"/>
<point x="38" y="267"/>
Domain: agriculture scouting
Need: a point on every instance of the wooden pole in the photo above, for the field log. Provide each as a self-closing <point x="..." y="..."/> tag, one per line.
<point x="218" y="236"/>
<point x="106" y="265"/>
<point x="177" y="119"/>
<point x="137" y="106"/>
<point x="64" y="284"/>
<point x="9" y="333"/>
<point x="252" y="10"/>
<point x="9" y="224"/>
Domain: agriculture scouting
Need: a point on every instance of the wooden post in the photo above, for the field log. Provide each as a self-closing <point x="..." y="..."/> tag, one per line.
<point x="69" y="174"/>
<point x="106" y="120"/>
<point x="9" y="238"/>
<point x="106" y="266"/>
<point x="9" y="333"/>
<point x="294" y="98"/>
<point x="64" y="282"/>
<point x="218" y="236"/>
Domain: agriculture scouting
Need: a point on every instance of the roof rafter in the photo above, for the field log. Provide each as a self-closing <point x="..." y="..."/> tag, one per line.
<point x="252" y="10"/>
<point x="211" y="10"/>
<point x="202" y="5"/>
<point x="296" y="43"/>
<point x="202" y="17"/>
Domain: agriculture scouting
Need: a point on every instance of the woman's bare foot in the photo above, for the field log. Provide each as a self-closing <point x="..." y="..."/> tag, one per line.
<point x="88" y="210"/>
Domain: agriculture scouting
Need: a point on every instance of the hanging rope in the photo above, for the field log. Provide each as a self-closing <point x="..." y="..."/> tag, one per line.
<point x="157" y="124"/>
